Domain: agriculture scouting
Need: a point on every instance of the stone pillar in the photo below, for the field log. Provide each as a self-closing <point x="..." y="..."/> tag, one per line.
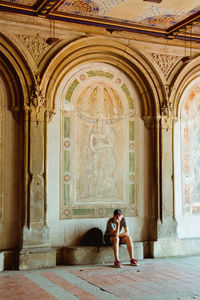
<point x="36" y="251"/>
<point x="153" y="126"/>
<point x="166" y="225"/>
<point x="166" y="221"/>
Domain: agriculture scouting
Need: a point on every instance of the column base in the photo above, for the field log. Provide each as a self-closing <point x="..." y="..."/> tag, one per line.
<point x="1" y="261"/>
<point x="175" y="247"/>
<point x="167" y="228"/>
<point x="37" y="258"/>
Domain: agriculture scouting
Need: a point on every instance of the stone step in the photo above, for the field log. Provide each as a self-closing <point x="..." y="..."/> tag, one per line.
<point x="87" y="255"/>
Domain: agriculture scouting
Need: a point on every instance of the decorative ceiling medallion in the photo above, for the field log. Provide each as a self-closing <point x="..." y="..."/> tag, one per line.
<point x="80" y="7"/>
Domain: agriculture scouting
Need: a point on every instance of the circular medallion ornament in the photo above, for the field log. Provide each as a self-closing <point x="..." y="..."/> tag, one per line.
<point x="67" y="212"/>
<point x="197" y="89"/>
<point x="118" y="80"/>
<point x="66" y="178"/>
<point x="67" y="144"/>
<point x="132" y="178"/>
<point x="82" y="77"/>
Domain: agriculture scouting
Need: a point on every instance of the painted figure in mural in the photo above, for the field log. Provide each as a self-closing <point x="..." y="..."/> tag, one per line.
<point x="99" y="144"/>
<point x="113" y="236"/>
<point x="102" y="159"/>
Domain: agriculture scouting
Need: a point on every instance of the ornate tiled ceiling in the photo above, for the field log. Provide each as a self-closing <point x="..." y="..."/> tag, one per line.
<point x="160" y="17"/>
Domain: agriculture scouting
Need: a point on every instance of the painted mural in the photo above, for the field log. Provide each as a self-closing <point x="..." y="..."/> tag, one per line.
<point x="98" y="146"/>
<point x="99" y="175"/>
<point x="162" y="15"/>
<point x="157" y="16"/>
<point x="190" y="133"/>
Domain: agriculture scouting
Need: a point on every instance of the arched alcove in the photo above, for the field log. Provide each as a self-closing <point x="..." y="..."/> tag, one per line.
<point x="186" y="151"/>
<point x="11" y="137"/>
<point x="115" y="53"/>
<point x="15" y="83"/>
<point x="81" y="71"/>
<point x="99" y="128"/>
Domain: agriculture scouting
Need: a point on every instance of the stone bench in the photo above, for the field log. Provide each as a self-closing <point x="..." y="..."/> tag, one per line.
<point x="87" y="255"/>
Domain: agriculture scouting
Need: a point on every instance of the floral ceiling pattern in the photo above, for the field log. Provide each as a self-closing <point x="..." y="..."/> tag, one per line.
<point x="139" y="13"/>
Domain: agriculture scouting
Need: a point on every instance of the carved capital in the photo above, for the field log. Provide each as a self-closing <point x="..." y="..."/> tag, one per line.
<point x="167" y="122"/>
<point x="49" y="114"/>
<point x="152" y="122"/>
<point x="17" y="112"/>
<point x="37" y="102"/>
<point x="167" y="109"/>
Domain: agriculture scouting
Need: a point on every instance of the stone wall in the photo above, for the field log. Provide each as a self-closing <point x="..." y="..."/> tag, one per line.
<point x="62" y="105"/>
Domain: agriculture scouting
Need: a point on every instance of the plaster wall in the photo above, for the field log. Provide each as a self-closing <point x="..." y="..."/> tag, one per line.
<point x="69" y="232"/>
<point x="188" y="225"/>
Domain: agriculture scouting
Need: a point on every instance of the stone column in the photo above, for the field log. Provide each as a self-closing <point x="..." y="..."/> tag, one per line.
<point x="166" y="221"/>
<point x="153" y="125"/>
<point x="166" y="243"/>
<point x="36" y="251"/>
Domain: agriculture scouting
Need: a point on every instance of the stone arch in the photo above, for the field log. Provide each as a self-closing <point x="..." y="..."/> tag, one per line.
<point x="16" y="82"/>
<point x="122" y="56"/>
<point x="188" y="78"/>
<point x="100" y="101"/>
<point x="147" y="86"/>
<point x="183" y="78"/>
<point x="17" y="74"/>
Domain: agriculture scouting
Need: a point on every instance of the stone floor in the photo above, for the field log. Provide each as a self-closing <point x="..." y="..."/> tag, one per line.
<point x="153" y="279"/>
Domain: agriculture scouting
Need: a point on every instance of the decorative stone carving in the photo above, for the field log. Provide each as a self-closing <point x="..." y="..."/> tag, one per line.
<point x="167" y="120"/>
<point x="37" y="105"/>
<point x="37" y="102"/>
<point x="166" y="62"/>
<point x="36" y="45"/>
<point x="35" y="231"/>
<point x="167" y="110"/>
<point x="50" y="113"/>
<point x="152" y="122"/>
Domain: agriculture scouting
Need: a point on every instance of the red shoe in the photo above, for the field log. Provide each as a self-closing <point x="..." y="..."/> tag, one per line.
<point x="134" y="262"/>
<point x="117" y="264"/>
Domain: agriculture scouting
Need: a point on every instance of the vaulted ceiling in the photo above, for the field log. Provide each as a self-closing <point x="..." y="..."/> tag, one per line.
<point x="165" y="18"/>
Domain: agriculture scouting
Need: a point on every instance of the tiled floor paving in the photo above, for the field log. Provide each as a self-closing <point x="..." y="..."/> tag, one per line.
<point x="153" y="279"/>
